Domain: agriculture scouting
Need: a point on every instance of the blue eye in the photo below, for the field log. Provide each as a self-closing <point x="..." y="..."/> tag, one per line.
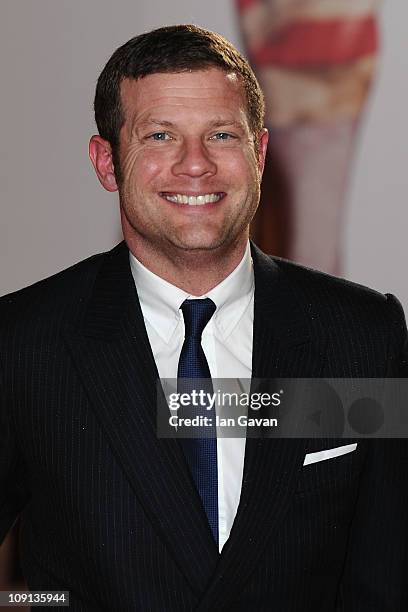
<point x="158" y="136"/>
<point x="223" y="136"/>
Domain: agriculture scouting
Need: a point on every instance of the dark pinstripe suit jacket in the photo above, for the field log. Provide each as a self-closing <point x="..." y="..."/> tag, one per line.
<point x="109" y="511"/>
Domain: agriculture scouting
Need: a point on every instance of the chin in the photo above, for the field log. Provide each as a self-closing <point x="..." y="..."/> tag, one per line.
<point x="198" y="246"/>
<point x="198" y="243"/>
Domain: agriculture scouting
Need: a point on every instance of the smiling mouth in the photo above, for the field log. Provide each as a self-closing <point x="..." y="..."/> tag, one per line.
<point x="193" y="200"/>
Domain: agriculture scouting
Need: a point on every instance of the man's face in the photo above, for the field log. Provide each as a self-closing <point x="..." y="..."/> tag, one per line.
<point x="190" y="167"/>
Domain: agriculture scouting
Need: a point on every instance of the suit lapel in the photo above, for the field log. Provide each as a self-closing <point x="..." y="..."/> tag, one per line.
<point x="284" y="346"/>
<point x="113" y="356"/>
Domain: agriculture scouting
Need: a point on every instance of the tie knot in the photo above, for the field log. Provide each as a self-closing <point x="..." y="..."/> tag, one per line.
<point x="196" y="315"/>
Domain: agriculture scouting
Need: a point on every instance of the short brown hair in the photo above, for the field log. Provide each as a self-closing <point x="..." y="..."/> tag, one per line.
<point x="176" y="48"/>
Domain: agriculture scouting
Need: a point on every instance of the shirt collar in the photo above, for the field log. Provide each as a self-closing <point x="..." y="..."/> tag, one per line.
<point x="160" y="300"/>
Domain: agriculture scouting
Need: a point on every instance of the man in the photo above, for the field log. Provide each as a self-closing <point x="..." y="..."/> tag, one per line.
<point x="111" y="512"/>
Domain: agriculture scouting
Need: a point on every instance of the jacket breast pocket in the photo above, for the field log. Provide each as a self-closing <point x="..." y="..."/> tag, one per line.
<point x="331" y="465"/>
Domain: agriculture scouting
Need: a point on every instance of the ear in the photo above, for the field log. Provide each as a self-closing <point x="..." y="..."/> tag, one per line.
<point x="100" y="153"/>
<point x="263" y="138"/>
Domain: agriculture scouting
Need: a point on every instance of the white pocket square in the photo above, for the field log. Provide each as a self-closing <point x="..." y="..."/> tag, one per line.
<point x="329" y="453"/>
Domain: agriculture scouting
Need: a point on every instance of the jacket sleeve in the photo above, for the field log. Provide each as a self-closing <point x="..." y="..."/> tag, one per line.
<point x="13" y="493"/>
<point x="375" y="577"/>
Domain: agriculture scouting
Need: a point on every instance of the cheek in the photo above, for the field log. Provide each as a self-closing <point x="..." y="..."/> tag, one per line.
<point x="142" y="172"/>
<point x="140" y="166"/>
<point x="240" y="167"/>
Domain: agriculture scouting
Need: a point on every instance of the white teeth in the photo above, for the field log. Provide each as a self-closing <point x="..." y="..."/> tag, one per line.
<point x="199" y="200"/>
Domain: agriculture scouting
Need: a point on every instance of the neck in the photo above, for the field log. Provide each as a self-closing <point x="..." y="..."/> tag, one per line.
<point x="196" y="272"/>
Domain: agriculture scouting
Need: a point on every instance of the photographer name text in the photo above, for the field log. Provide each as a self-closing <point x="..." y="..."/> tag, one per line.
<point x="217" y="421"/>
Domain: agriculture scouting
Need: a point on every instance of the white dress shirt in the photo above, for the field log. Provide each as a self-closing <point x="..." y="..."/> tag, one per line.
<point x="227" y="344"/>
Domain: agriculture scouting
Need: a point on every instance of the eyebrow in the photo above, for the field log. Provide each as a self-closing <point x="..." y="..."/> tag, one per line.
<point x="227" y="123"/>
<point x="159" y="122"/>
<point x="213" y="124"/>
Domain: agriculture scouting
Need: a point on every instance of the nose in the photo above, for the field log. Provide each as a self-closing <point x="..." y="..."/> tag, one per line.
<point x="194" y="160"/>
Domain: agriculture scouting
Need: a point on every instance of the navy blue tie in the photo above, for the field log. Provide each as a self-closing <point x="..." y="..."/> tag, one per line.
<point x="200" y="453"/>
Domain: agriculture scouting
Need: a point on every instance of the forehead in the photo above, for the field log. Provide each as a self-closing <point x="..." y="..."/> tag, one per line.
<point x="181" y="91"/>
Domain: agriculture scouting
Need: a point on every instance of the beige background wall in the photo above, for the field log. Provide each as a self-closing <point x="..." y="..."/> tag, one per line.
<point x="53" y="211"/>
<point x="377" y="227"/>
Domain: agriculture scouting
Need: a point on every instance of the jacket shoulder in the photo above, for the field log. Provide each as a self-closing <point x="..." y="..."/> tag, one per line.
<point x="327" y="289"/>
<point x="60" y="295"/>
<point x="340" y="303"/>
